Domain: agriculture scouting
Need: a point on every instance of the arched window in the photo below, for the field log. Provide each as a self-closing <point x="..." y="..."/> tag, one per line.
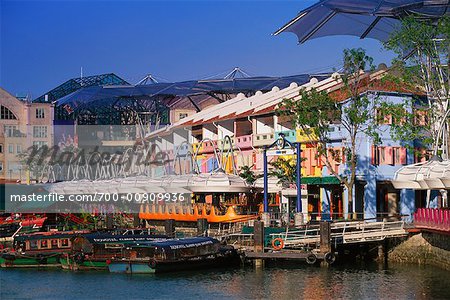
<point x="6" y="114"/>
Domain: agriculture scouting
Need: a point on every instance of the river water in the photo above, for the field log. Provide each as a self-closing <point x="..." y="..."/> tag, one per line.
<point x="302" y="282"/>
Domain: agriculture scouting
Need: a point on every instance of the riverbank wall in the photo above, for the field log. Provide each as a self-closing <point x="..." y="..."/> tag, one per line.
<point x="424" y="248"/>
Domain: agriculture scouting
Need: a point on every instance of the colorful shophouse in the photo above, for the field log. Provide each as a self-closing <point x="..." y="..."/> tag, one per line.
<point x="232" y="134"/>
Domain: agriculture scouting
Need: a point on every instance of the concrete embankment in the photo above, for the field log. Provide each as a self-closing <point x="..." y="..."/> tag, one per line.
<point x="425" y="248"/>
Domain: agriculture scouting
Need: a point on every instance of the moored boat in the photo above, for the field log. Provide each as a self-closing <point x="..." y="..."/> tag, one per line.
<point x="43" y="249"/>
<point x="174" y="255"/>
<point x="11" y="226"/>
<point x="94" y="251"/>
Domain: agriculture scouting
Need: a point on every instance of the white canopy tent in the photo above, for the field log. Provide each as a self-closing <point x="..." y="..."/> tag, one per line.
<point x="430" y="175"/>
<point x="134" y="184"/>
<point x="219" y="182"/>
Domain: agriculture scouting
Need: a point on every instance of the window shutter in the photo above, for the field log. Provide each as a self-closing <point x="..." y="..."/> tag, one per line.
<point x="389" y="155"/>
<point x="373" y="156"/>
<point x="403" y="155"/>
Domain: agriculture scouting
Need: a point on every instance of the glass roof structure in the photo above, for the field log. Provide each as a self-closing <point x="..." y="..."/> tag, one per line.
<point x="182" y="89"/>
<point x="107" y="104"/>
<point x="75" y="84"/>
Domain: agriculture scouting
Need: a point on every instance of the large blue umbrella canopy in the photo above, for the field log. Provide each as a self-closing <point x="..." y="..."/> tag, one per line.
<point x="363" y="18"/>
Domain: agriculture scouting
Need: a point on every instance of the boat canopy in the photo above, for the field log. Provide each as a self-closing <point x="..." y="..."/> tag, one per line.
<point x="175" y="244"/>
<point x="104" y="238"/>
<point x="48" y="235"/>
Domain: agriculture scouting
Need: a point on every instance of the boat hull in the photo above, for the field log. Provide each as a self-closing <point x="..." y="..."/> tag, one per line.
<point x="68" y="263"/>
<point x="30" y="262"/>
<point x="147" y="266"/>
<point x="130" y="268"/>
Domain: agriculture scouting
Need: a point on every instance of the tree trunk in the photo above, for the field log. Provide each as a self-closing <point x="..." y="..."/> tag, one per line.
<point x="350" y="201"/>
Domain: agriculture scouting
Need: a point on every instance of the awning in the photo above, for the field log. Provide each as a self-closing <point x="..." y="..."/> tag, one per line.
<point x="275" y="187"/>
<point x="219" y="182"/>
<point x="430" y="175"/>
<point x="320" y="180"/>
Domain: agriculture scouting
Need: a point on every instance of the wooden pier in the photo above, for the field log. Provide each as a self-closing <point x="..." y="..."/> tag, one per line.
<point x="317" y="243"/>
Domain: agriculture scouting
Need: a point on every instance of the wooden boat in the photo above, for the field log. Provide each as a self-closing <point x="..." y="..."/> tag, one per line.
<point x="10" y="227"/>
<point x="38" y="249"/>
<point x="174" y="255"/>
<point x="179" y="213"/>
<point x="93" y="251"/>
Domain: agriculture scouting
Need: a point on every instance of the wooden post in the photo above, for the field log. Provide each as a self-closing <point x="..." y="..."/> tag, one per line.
<point x="258" y="236"/>
<point x="325" y="237"/>
<point x="202" y="227"/>
<point x="169" y="226"/>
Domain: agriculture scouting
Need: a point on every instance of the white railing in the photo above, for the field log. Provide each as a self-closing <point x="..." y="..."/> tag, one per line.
<point x="343" y="233"/>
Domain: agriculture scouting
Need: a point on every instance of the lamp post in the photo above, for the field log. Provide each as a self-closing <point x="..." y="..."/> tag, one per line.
<point x="281" y="143"/>
<point x="298" y="219"/>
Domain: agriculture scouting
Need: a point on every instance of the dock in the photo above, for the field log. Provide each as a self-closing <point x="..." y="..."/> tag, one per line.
<point x="313" y="243"/>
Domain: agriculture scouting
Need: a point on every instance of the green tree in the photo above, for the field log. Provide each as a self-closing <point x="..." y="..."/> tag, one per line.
<point x="248" y="174"/>
<point x="316" y="111"/>
<point x="285" y="170"/>
<point x="423" y="50"/>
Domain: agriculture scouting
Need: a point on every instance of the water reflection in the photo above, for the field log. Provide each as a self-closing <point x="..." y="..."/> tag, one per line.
<point x="298" y="282"/>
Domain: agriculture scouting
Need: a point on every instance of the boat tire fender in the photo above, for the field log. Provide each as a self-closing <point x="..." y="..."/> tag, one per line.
<point x="152" y="263"/>
<point x="41" y="259"/>
<point x="330" y="258"/>
<point x="79" y="258"/>
<point x="311" y="258"/>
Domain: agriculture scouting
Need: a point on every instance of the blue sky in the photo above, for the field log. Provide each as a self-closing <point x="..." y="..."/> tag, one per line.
<point x="45" y="43"/>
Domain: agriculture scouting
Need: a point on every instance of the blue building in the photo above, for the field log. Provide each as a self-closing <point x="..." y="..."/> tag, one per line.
<point x="374" y="195"/>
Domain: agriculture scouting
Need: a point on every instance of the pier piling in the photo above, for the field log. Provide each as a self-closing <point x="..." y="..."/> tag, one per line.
<point x="258" y="236"/>
<point x="202" y="227"/>
<point x="169" y="226"/>
<point x="325" y="237"/>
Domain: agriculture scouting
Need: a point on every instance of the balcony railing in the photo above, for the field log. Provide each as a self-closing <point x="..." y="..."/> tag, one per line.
<point x="225" y="144"/>
<point x="208" y="146"/>
<point x="243" y="142"/>
<point x="263" y="139"/>
<point x="290" y="135"/>
<point x="303" y="137"/>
